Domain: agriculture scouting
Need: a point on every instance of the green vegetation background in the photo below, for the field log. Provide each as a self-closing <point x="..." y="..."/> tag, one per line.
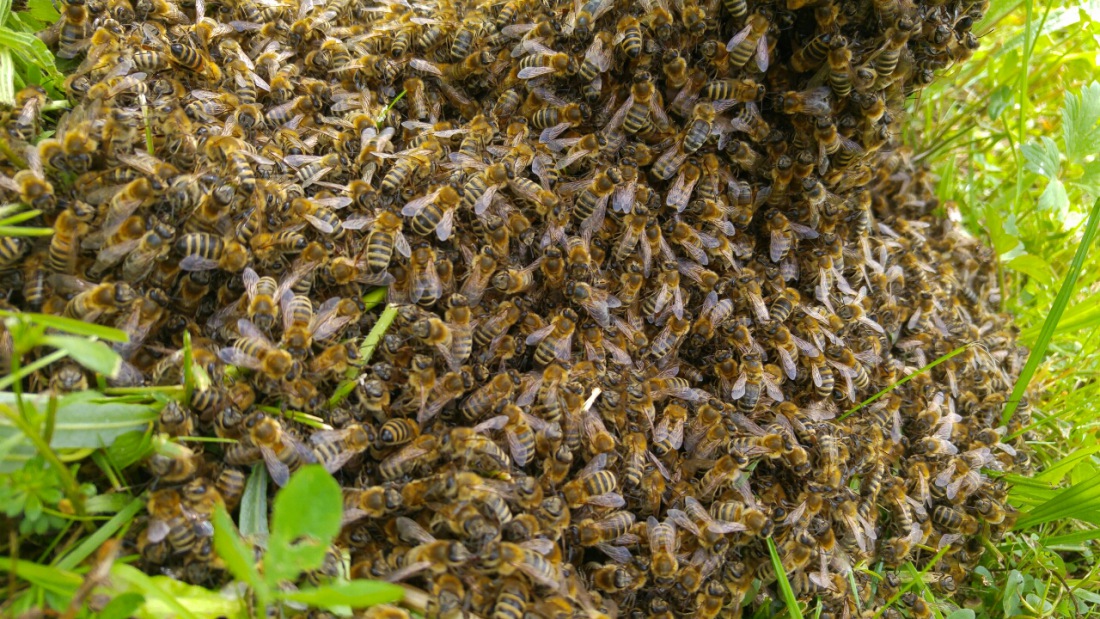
<point x="1012" y="138"/>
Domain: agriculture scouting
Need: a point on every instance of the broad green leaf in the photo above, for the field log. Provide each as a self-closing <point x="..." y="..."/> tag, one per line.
<point x="355" y="593"/>
<point x="43" y="10"/>
<point x="1079" y="122"/>
<point x="233" y="550"/>
<point x="75" y="327"/>
<point x="96" y="356"/>
<point x="253" y="516"/>
<point x="962" y="613"/>
<point x="305" y="520"/>
<point x="123" y="606"/>
<point x="130" y="448"/>
<point x="84" y="420"/>
<point x="168" y="597"/>
<point x="1043" y="158"/>
<point x="1034" y="267"/>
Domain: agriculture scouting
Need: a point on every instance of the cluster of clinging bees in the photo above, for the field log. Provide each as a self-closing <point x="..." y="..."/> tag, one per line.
<point x="643" y="257"/>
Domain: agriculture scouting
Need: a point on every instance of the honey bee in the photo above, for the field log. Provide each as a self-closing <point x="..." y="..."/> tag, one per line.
<point x="422" y="450"/>
<point x="426" y="286"/>
<point x="555" y="340"/>
<point x="203" y="252"/>
<point x="254" y="351"/>
<point x="281" y="453"/>
<point x="749" y="41"/>
<point x="593" y="486"/>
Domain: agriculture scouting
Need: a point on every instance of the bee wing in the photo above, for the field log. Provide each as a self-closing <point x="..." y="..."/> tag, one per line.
<point x="539" y="334"/>
<point x="612" y="500"/>
<point x="594" y="223"/>
<point x="494" y="423"/>
<point x="737" y="38"/>
<point x="815" y="374"/>
<point x="280" y="472"/>
<point x="684" y="521"/>
<point x="550" y="134"/>
<point x="109" y="256"/>
<point x="738" y="389"/>
<point x="485" y="200"/>
<point x="357" y="222"/>
<point x="533" y="72"/>
<point x="773" y="390"/>
<point x="790" y="368"/>
<point x="232" y="356"/>
<point x="599" y="55"/>
<point x="779" y="245"/>
<point x="446" y="223"/>
<point x="759" y="307"/>
<point x="413" y="207"/>
<point x="408" y="529"/>
<point x="671" y="160"/>
<point x="618" y="554"/>
<point x="762" y="54"/>
<point x="250" y="279"/>
<point x="195" y="262"/>
<point x="519" y="452"/>
<point x="427" y="67"/>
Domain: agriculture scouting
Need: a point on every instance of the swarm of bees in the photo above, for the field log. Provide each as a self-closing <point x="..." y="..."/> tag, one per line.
<point x="644" y="256"/>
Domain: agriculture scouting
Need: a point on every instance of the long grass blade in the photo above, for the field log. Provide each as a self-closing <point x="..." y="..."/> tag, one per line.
<point x="1069" y="284"/>
<point x="793" y="609"/>
<point x="908" y="378"/>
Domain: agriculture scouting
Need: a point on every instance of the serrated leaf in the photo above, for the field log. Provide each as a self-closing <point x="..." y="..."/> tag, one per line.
<point x="96" y="356"/>
<point x="1042" y="158"/>
<point x="233" y="551"/>
<point x="305" y="520"/>
<point x="1054" y="199"/>
<point x="1079" y="122"/>
<point x="253" y="517"/>
<point x="355" y="593"/>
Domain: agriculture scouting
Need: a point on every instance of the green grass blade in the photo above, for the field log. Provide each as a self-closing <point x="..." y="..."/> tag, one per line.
<point x="1081" y="500"/>
<point x="1065" y="293"/>
<point x="102" y="534"/>
<point x="901" y="382"/>
<point x="377" y="332"/>
<point x="909" y="585"/>
<point x="793" y="609"/>
<point x="253" y="516"/>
